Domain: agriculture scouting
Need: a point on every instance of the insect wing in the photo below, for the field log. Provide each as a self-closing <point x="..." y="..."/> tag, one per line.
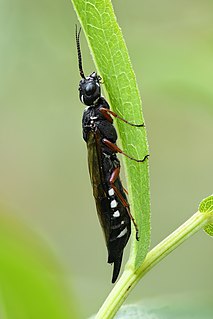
<point x="97" y="180"/>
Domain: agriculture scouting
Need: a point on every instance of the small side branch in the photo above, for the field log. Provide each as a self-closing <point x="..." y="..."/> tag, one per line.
<point x="129" y="278"/>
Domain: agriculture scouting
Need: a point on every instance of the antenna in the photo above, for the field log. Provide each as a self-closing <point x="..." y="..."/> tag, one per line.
<point x="77" y="36"/>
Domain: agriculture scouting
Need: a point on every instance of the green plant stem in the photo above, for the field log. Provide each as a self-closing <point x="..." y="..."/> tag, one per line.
<point x="129" y="278"/>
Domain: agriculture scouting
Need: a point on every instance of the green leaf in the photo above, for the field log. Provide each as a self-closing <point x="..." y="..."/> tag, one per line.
<point x="209" y="229"/>
<point x="31" y="284"/>
<point x="113" y="64"/>
<point x="206" y="207"/>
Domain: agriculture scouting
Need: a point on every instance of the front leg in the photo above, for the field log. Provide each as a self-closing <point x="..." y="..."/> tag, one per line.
<point x="106" y="113"/>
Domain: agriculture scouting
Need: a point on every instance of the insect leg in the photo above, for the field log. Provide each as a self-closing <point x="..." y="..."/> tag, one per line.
<point x="116" y="149"/>
<point x="114" y="176"/>
<point x="125" y="190"/>
<point x="106" y="113"/>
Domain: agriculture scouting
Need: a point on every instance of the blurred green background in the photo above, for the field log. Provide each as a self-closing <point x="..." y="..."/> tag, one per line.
<point x="43" y="162"/>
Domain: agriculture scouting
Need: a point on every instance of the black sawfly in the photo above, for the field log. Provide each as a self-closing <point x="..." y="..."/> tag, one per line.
<point x="104" y="166"/>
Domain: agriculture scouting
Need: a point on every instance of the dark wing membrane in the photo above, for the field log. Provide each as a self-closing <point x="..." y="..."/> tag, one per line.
<point x="116" y="229"/>
<point x="97" y="181"/>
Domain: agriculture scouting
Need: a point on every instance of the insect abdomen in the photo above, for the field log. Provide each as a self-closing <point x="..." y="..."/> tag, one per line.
<point x="120" y="229"/>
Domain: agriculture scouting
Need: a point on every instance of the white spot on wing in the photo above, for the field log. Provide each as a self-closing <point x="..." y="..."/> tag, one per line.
<point x="116" y="214"/>
<point x="82" y="98"/>
<point x="113" y="203"/>
<point x="122" y="233"/>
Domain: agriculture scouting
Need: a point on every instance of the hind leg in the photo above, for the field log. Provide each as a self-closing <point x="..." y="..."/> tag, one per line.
<point x="114" y="176"/>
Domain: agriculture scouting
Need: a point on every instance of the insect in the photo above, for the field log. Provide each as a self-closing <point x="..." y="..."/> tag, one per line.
<point x="104" y="166"/>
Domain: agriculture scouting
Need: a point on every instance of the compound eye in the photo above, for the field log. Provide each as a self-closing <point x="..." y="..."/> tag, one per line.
<point x="90" y="88"/>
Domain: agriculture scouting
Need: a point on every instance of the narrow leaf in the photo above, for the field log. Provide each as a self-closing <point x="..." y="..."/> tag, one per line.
<point x="113" y="64"/>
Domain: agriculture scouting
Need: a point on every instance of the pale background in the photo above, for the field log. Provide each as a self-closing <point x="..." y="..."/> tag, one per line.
<point x="43" y="162"/>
